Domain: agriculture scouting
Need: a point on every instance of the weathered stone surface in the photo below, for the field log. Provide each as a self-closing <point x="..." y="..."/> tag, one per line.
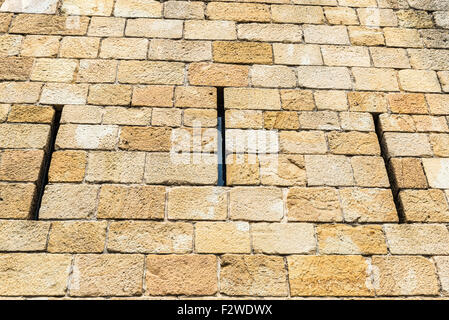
<point x="23" y="274"/>
<point x="151" y="72"/>
<point x="368" y="205"/>
<point x="26" y="136"/>
<point x="345" y="239"/>
<point x="242" y="169"/>
<point x="280" y="238"/>
<point x="45" y="6"/>
<point x="329" y="276"/>
<point x="353" y="143"/>
<point x="242" y="52"/>
<point x="408" y="173"/>
<point x="197" y="203"/>
<point x="120" y="167"/>
<point x="49" y="24"/>
<point x="442" y="264"/>
<point x="303" y="142"/>
<point x="107" y="275"/>
<point x="256" y="204"/>
<point x="249" y="98"/>
<point x="21" y="165"/>
<point x="370" y="172"/>
<point x="17" y="200"/>
<point x="367" y="102"/>
<point x="171" y="169"/>
<point x="407" y="144"/>
<point x="150" y="237"/>
<point x="404" y="276"/>
<point x="145" y="139"/>
<point x="91" y="137"/>
<point x="437" y="172"/>
<point x="319" y="120"/>
<point x="192" y="275"/>
<point x="67" y="201"/>
<point x="131" y="202"/>
<point x="424" y="205"/>
<point x="31" y="114"/>
<point x="313" y="204"/>
<point x="297" y="100"/>
<point x="67" y="166"/>
<point x="427" y="239"/>
<point x="138" y="8"/>
<point x="238" y="11"/>
<point x="77" y="236"/>
<point x="255" y="275"/>
<point x="195" y="97"/>
<point x="214" y="74"/>
<point x="282" y="170"/>
<point x="222" y="237"/>
<point x="328" y="170"/>
<point x="23" y="235"/>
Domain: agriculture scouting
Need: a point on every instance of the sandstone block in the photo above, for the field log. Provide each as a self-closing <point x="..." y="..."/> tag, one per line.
<point x="150" y="237"/>
<point x="190" y="275"/>
<point x="346" y="239"/>
<point x="131" y="202"/>
<point x="23" y="274"/>
<point x="256" y="275"/>
<point x="313" y="204"/>
<point x="222" y="237"/>
<point x="97" y="275"/>
<point x="120" y="167"/>
<point x="427" y="239"/>
<point x="329" y="276"/>
<point x="281" y="238"/>
<point x="77" y="236"/>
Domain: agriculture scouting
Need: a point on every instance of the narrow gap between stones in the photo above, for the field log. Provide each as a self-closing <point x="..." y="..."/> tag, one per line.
<point x="43" y="176"/>
<point x="221" y="128"/>
<point x="393" y="185"/>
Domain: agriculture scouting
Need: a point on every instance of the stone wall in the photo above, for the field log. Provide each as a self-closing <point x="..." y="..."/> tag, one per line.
<point x="337" y="148"/>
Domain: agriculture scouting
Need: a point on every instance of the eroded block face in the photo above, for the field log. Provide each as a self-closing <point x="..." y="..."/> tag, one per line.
<point x="210" y="149"/>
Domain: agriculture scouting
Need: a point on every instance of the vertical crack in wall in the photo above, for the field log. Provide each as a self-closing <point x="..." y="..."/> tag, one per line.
<point x="221" y="129"/>
<point x="391" y="177"/>
<point x="43" y="175"/>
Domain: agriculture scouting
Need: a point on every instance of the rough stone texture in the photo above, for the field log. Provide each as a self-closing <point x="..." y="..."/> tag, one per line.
<point x="344" y="239"/>
<point x="404" y="276"/>
<point x="279" y="238"/>
<point x="107" y="275"/>
<point x="256" y="275"/>
<point x="131" y="202"/>
<point x="222" y="237"/>
<point x="68" y="166"/>
<point x="197" y="203"/>
<point x="417" y="239"/>
<point x="329" y="276"/>
<point x="17" y="200"/>
<point x="77" y="237"/>
<point x="69" y="201"/>
<point x="368" y="205"/>
<point x="23" y="235"/>
<point x="259" y="204"/>
<point x="321" y="99"/>
<point x="192" y="275"/>
<point x="150" y="237"/>
<point x="313" y="204"/>
<point x="424" y="205"/>
<point x="42" y="274"/>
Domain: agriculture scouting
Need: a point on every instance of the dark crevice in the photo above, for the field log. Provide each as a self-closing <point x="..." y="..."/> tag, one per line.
<point x="221" y="128"/>
<point x="391" y="177"/>
<point x="43" y="175"/>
